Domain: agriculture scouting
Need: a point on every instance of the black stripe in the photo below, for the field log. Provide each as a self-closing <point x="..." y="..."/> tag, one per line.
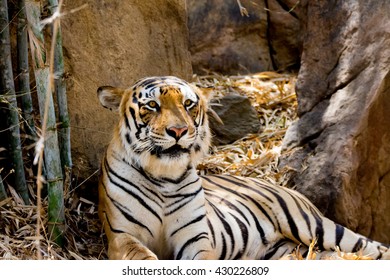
<point x="244" y="185"/>
<point x="271" y="251"/>
<point x="226" y="226"/>
<point x="186" y="185"/>
<point x="132" y="112"/>
<point x="184" y="196"/>
<point x="200" y="251"/>
<point x="128" y="138"/>
<point x="114" y="230"/>
<point x="181" y="178"/>
<point x="244" y="235"/>
<point x="358" y="245"/>
<point x="152" y="180"/>
<point x="320" y="234"/>
<point x="290" y="220"/>
<point x="303" y="213"/>
<point x="223" y="253"/>
<point x="208" y="178"/>
<point x="211" y="231"/>
<point x="261" y="208"/>
<point x="258" y="226"/>
<point x="194" y="221"/>
<point x="137" y="197"/>
<point x="177" y="208"/>
<point x="129" y="217"/>
<point x="194" y="239"/>
<point x="319" y="229"/>
<point x="228" y="203"/>
<point x="339" y="234"/>
<point x="122" y="209"/>
<point x="135" y="186"/>
<point x="127" y="121"/>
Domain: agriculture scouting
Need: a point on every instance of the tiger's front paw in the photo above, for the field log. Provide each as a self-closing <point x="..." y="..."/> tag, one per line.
<point x="124" y="247"/>
<point x="133" y="253"/>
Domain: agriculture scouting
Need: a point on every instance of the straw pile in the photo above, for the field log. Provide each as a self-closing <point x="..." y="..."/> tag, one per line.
<point x="273" y="97"/>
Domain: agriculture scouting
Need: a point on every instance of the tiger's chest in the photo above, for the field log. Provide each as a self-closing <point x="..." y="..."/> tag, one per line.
<point x="161" y="216"/>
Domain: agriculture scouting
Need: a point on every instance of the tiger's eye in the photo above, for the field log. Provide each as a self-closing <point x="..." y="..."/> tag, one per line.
<point x="188" y="102"/>
<point x="152" y="104"/>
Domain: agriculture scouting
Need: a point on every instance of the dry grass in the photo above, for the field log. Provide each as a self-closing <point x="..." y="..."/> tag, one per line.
<point x="84" y="239"/>
<point x="273" y="97"/>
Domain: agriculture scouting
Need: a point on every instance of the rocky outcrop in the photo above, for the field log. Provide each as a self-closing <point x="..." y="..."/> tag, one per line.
<point x="340" y="147"/>
<point x="238" y="116"/>
<point x="224" y="41"/>
<point x="115" y="43"/>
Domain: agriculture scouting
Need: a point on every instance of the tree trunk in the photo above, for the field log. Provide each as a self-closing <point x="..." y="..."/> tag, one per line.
<point x="23" y="73"/>
<point x="62" y="103"/>
<point x="8" y="91"/>
<point x="49" y="130"/>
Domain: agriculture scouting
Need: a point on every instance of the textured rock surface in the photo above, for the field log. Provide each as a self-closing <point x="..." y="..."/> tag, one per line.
<point x="222" y="40"/>
<point x="340" y="147"/>
<point x="238" y="116"/>
<point x="115" y="43"/>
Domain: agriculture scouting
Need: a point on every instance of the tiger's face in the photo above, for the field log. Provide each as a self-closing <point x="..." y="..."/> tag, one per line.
<point x="163" y="124"/>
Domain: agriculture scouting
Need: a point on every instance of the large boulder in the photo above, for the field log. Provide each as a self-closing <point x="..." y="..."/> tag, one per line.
<point x="115" y="43"/>
<point x="224" y="41"/>
<point x="238" y="117"/>
<point x="340" y="147"/>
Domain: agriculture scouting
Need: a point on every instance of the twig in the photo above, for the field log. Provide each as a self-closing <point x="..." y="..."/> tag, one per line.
<point x="243" y="10"/>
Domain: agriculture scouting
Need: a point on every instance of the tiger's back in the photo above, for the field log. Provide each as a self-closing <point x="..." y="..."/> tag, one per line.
<point x="153" y="205"/>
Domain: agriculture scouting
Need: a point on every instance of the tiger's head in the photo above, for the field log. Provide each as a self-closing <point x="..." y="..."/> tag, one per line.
<point x="163" y="124"/>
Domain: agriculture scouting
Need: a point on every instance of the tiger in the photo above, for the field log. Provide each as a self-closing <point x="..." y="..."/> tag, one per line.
<point x="153" y="204"/>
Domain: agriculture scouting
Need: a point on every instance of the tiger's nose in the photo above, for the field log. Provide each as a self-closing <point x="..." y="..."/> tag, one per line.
<point x="177" y="132"/>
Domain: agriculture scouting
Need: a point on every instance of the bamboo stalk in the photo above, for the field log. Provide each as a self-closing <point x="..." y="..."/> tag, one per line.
<point x="44" y="80"/>
<point x="23" y="73"/>
<point x="8" y="91"/>
<point x="3" y="193"/>
<point x="62" y="103"/>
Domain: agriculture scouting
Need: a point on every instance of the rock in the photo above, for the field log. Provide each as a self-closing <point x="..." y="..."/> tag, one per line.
<point x="285" y="34"/>
<point x="238" y="116"/>
<point x="224" y="41"/>
<point x="340" y="146"/>
<point x="115" y="43"/>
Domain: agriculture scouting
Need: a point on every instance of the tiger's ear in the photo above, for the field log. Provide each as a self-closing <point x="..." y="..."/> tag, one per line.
<point x="110" y="97"/>
<point x="206" y="92"/>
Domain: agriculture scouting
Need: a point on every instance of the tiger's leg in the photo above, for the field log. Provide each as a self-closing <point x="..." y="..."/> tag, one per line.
<point x="302" y="223"/>
<point x="123" y="246"/>
<point x="348" y="241"/>
<point x="329" y="236"/>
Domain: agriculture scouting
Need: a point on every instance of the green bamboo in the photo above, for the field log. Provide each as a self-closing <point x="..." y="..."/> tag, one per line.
<point x="23" y="73"/>
<point x="3" y="193"/>
<point x="8" y="91"/>
<point x="62" y="103"/>
<point x="56" y="216"/>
